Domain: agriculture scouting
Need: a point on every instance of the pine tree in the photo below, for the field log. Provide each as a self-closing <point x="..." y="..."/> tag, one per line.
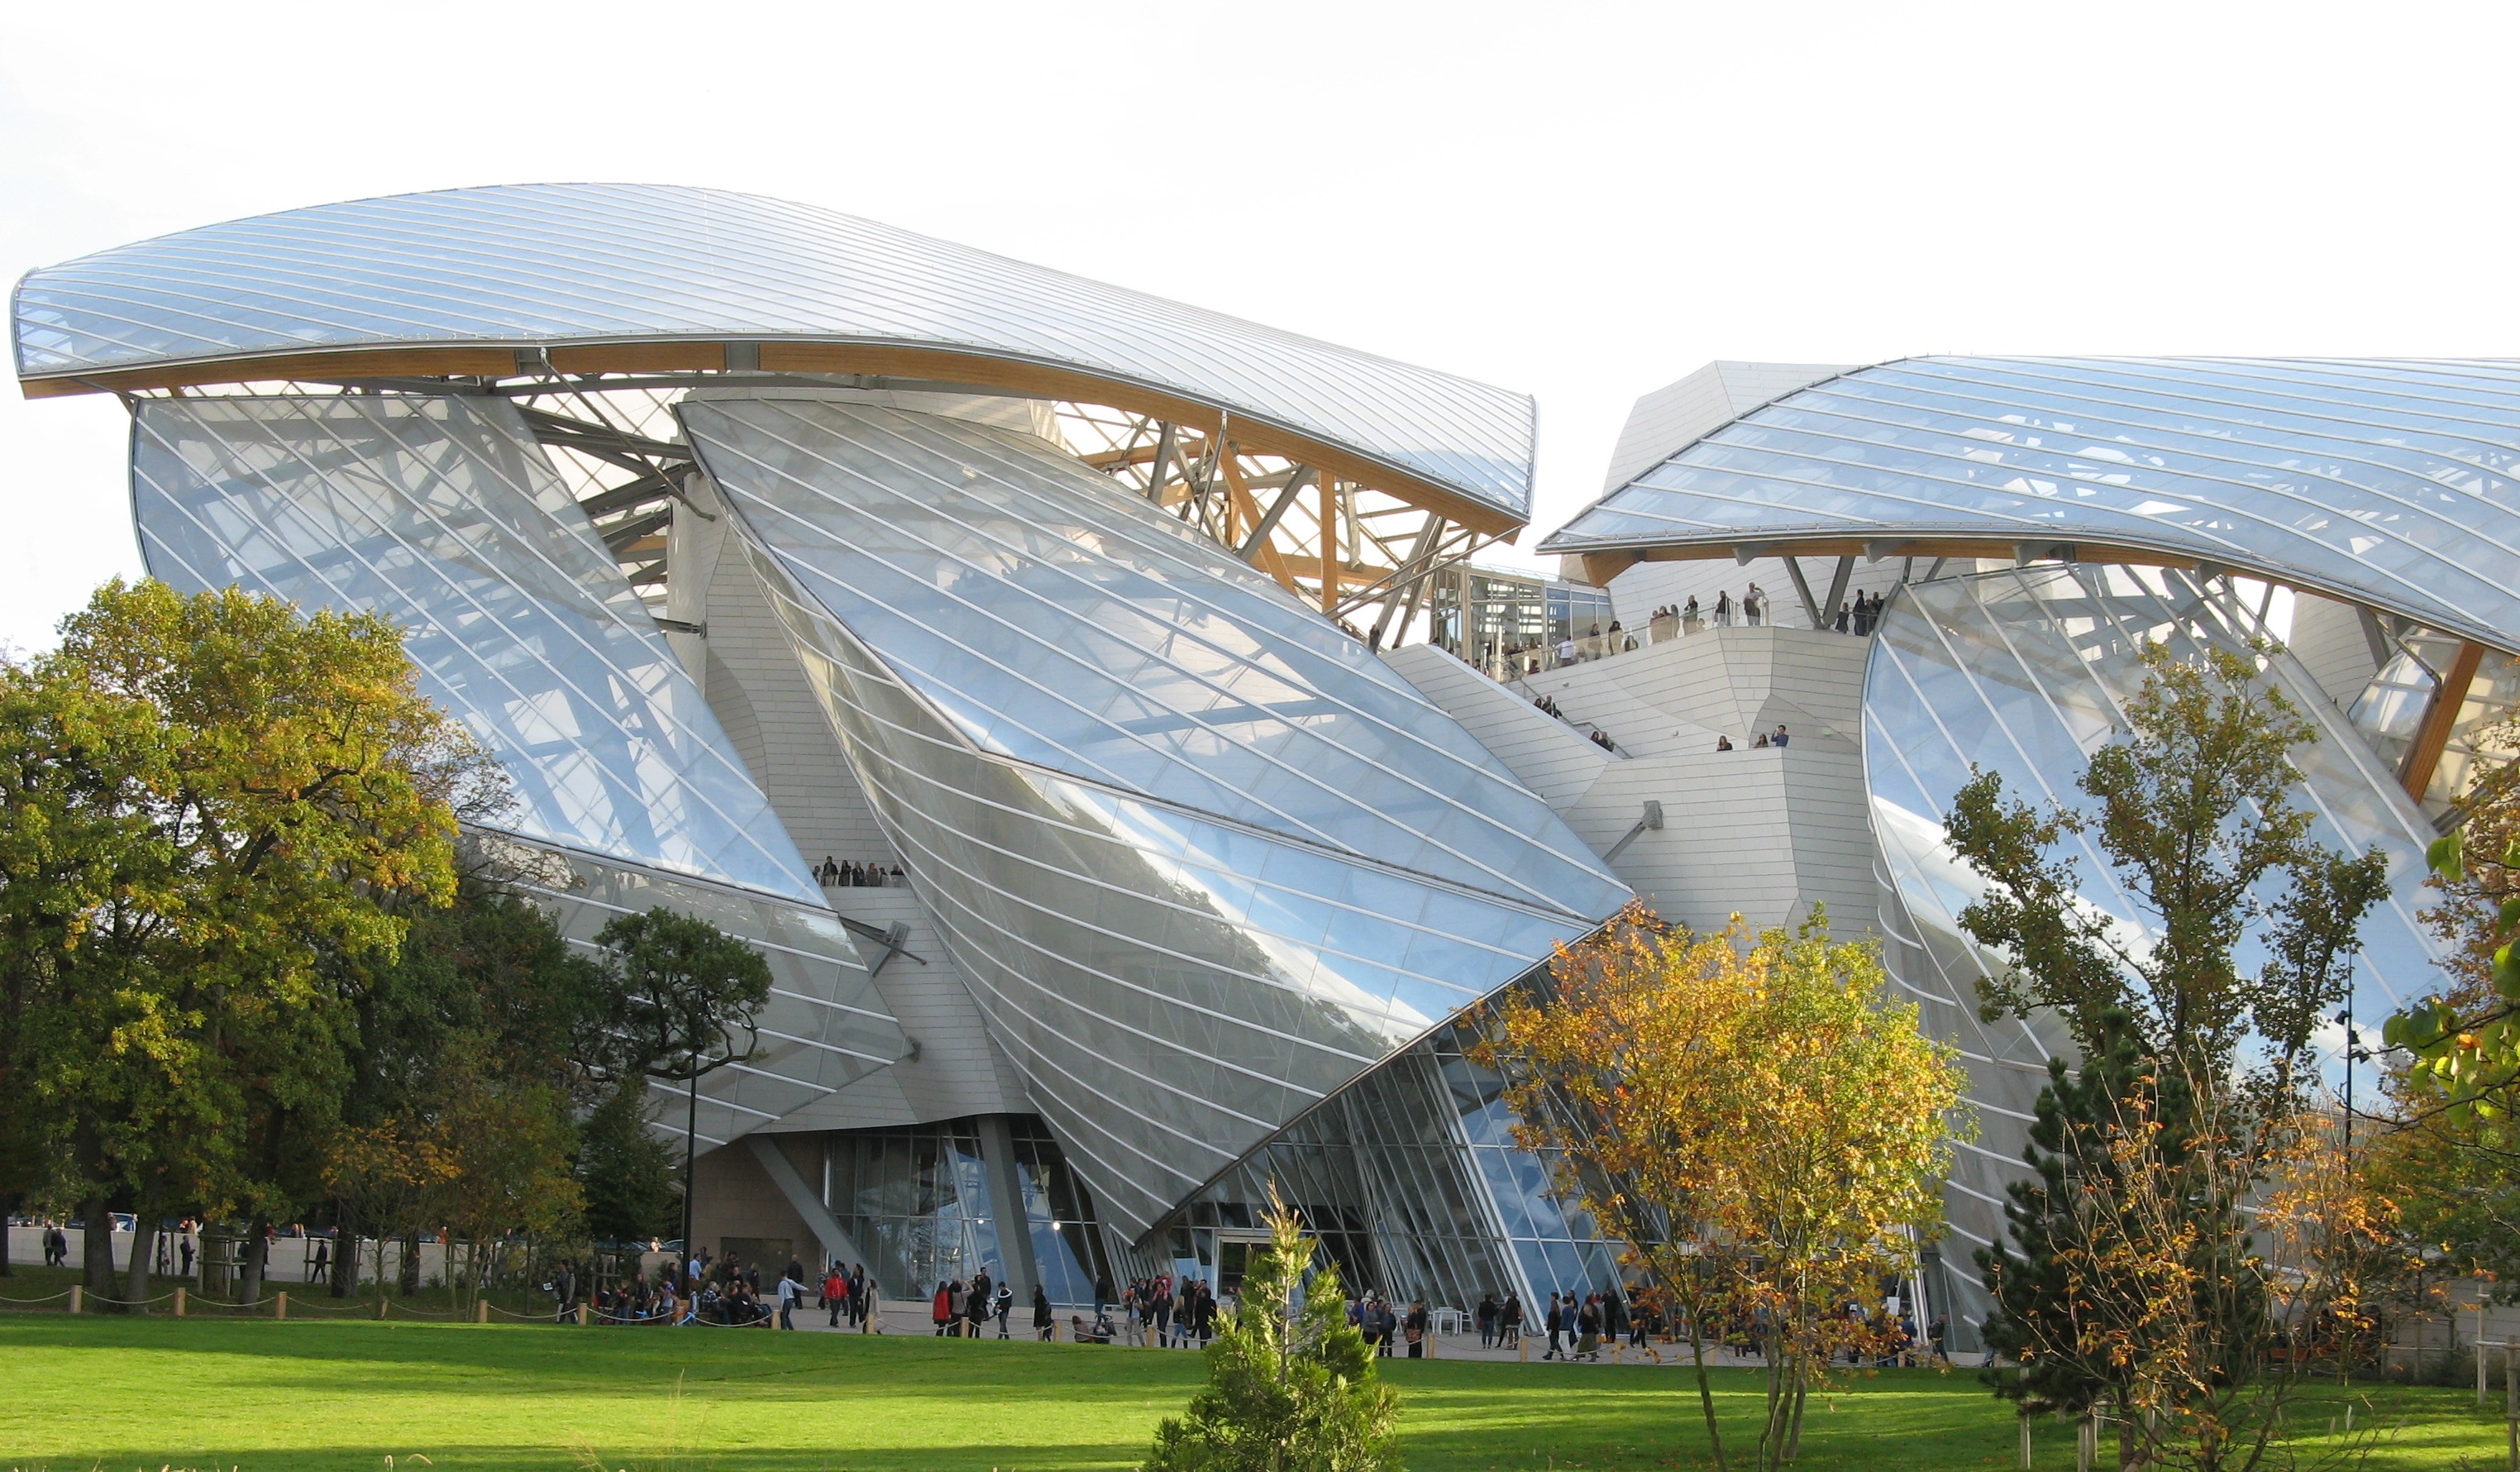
<point x="2043" y="1294"/>
<point x="1291" y="1383"/>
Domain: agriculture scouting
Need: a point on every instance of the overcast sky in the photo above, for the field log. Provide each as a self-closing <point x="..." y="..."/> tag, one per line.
<point x="1580" y="202"/>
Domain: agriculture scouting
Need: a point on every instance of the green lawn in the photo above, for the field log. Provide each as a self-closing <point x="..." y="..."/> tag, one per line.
<point x="103" y="1394"/>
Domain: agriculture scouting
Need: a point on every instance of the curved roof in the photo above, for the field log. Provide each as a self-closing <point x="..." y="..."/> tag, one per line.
<point x="2387" y="483"/>
<point x="648" y="277"/>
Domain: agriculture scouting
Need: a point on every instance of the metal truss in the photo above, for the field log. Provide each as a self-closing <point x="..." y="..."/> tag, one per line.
<point x="1363" y="557"/>
<point x="1343" y="546"/>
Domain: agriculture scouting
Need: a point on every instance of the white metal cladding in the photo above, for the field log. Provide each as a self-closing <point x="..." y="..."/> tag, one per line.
<point x="2025" y="674"/>
<point x="1058" y="620"/>
<point x="444" y="515"/>
<point x="2388" y="483"/>
<point x="1174" y="985"/>
<point x="536" y="265"/>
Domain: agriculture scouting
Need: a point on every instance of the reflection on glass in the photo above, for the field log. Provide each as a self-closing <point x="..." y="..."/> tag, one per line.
<point x="1059" y="622"/>
<point x="1174" y="982"/>
<point x="2025" y="672"/>
<point x="442" y="515"/>
<point x="2392" y="484"/>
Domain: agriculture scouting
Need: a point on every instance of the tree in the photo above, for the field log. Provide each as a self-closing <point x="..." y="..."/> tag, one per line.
<point x="2134" y="1279"/>
<point x="1291" y="1386"/>
<point x="2195" y="820"/>
<point x="1766" y="1133"/>
<point x="490" y="982"/>
<point x="686" y="990"/>
<point x="627" y="1175"/>
<point x="258" y="786"/>
<point x="2461" y="1046"/>
<point x="508" y="1141"/>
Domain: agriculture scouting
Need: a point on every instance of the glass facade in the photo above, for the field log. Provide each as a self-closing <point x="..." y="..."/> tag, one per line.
<point x="1508" y="613"/>
<point x="2025" y="672"/>
<point x="442" y="515"/>
<point x="1174" y="984"/>
<point x="1413" y="1182"/>
<point x="2391" y="711"/>
<point x="919" y="1199"/>
<point x="2390" y="483"/>
<point x="1056" y="622"/>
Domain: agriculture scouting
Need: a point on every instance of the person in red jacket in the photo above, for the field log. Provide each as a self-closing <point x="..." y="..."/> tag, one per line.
<point x="836" y="1292"/>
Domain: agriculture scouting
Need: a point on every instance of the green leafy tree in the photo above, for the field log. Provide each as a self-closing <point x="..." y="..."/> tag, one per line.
<point x="295" y="783"/>
<point x="1290" y="1384"/>
<point x="2134" y="1279"/>
<point x="2461" y="1046"/>
<point x="686" y="1002"/>
<point x="625" y="1171"/>
<point x="488" y="983"/>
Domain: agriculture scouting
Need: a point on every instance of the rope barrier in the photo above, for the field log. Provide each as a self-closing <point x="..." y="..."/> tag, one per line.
<point x="65" y="1293"/>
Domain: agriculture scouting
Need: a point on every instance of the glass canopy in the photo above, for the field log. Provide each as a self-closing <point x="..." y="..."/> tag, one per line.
<point x="545" y="266"/>
<point x="2385" y="483"/>
<point x="1028" y="672"/>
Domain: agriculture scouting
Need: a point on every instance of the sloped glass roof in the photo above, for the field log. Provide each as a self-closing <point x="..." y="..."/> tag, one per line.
<point x="2387" y="483"/>
<point x="1058" y="620"/>
<point x="546" y="265"/>
<point x="442" y="515"/>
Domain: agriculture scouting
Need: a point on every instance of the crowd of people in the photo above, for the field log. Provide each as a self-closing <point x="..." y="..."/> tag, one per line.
<point x="1384" y="1326"/>
<point x="962" y="1310"/>
<point x="1579" y="1325"/>
<point x="1764" y="740"/>
<point x="831" y="874"/>
<point x="1157" y="1312"/>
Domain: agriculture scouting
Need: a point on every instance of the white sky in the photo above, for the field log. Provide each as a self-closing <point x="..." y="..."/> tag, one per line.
<point x="1580" y="202"/>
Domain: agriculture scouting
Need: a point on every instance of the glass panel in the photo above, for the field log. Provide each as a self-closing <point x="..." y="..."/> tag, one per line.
<point x="1173" y="988"/>
<point x="442" y="515"/>
<point x="1056" y="622"/>
<point x="2024" y="673"/>
<point x="2392" y="484"/>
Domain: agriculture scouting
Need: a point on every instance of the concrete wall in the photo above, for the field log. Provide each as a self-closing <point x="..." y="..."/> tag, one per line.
<point x="1765" y="834"/>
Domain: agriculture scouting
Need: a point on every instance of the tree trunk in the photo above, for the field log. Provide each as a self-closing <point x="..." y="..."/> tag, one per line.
<point x="96" y="1249"/>
<point x="8" y="1208"/>
<point x="144" y="1245"/>
<point x="1705" y="1390"/>
<point x="408" y="1279"/>
<point x="257" y="1256"/>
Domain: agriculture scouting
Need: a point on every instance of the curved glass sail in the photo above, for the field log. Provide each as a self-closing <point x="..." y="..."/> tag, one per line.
<point x="2391" y="483"/>
<point x="1177" y="969"/>
<point x="1056" y="622"/>
<point x="444" y="515"/>
<point x="538" y="265"/>
<point x="2026" y="672"/>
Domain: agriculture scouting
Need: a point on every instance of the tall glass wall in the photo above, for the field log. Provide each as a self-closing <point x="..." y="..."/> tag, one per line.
<point x="1174" y="985"/>
<point x="1415" y="1187"/>
<point x="2026" y="672"/>
<point x="917" y="1199"/>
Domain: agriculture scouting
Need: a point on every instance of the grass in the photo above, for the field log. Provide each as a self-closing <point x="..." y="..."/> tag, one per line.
<point x="104" y="1394"/>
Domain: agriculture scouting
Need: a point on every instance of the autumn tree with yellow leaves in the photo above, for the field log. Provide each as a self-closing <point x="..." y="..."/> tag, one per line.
<point x="1764" y="1129"/>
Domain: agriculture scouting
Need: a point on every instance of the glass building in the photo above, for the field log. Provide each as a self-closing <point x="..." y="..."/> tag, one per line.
<point x="1019" y="662"/>
<point x="772" y="552"/>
